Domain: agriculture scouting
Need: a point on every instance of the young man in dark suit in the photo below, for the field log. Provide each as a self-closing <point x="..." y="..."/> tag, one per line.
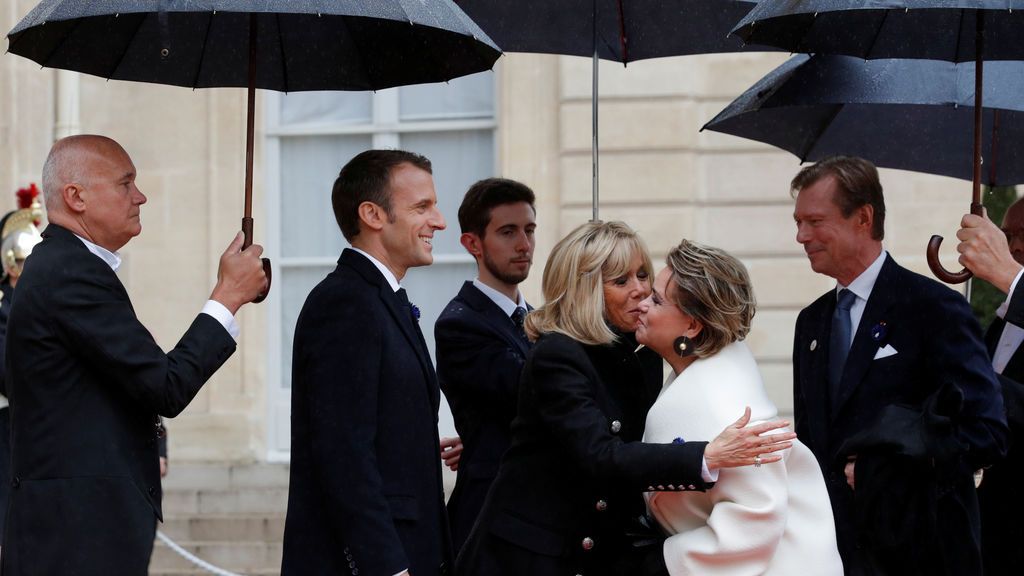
<point x="87" y="382"/>
<point x="886" y="339"/>
<point x="997" y="256"/>
<point x="481" y="345"/>
<point x="365" y="495"/>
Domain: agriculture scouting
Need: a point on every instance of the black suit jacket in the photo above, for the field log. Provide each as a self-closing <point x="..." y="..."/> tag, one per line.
<point x="365" y="495"/>
<point x="573" y="477"/>
<point x="86" y="382"/>
<point x="937" y="341"/>
<point x="480" y="355"/>
<point x="1002" y="506"/>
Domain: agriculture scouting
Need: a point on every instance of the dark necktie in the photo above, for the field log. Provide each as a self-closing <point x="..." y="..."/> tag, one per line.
<point x="413" y="313"/>
<point x="518" y="318"/>
<point x="403" y="297"/>
<point x="839" y="342"/>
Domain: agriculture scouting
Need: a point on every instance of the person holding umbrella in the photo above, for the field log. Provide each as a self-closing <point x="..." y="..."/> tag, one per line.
<point x="87" y="382"/>
<point x="893" y="391"/>
<point x="997" y="256"/>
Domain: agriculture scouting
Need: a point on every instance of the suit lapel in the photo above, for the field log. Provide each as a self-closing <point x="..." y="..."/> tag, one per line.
<point x="815" y="389"/>
<point x="494" y="316"/>
<point x="992" y="335"/>
<point x="401" y="316"/>
<point x="864" y="347"/>
<point x="995" y="331"/>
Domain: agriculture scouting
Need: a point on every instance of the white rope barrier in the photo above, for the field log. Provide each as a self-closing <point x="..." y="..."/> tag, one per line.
<point x="192" y="557"/>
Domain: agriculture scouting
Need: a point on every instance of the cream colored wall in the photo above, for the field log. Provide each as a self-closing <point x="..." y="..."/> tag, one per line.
<point x="669" y="181"/>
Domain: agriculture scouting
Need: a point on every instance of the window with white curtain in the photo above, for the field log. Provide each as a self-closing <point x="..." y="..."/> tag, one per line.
<point x="310" y="136"/>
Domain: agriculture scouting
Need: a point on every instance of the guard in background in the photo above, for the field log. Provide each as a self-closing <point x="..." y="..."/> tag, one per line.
<point x="19" y="232"/>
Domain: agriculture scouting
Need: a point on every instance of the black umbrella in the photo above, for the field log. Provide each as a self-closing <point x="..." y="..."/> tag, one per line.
<point x="953" y="30"/>
<point x="285" y="45"/>
<point x="905" y="114"/>
<point x="613" y="30"/>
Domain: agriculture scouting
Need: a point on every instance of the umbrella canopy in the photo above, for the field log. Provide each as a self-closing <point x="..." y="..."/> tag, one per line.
<point x="302" y="44"/>
<point x="285" y="45"/>
<point x="904" y="114"/>
<point x="931" y="29"/>
<point x="953" y="30"/>
<point x="613" y="29"/>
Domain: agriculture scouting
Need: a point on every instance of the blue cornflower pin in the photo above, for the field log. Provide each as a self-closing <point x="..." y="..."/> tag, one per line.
<point x="879" y="332"/>
<point x="415" y="312"/>
<point x="679" y="440"/>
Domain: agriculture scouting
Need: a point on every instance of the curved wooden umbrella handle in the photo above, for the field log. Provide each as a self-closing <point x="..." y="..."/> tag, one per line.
<point x="936" y="266"/>
<point x="933" y="255"/>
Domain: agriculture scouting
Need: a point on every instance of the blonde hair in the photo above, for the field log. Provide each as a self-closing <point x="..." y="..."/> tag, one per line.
<point x="713" y="287"/>
<point x="574" y="278"/>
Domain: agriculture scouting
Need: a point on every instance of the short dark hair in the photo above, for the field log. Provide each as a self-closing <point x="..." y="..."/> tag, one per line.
<point x="484" y="196"/>
<point x="858" y="184"/>
<point x="367" y="178"/>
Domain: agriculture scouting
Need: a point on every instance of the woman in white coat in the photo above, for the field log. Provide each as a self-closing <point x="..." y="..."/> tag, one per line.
<point x="765" y="519"/>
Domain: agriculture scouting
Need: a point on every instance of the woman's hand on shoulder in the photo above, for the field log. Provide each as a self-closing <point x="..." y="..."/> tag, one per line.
<point x="742" y="445"/>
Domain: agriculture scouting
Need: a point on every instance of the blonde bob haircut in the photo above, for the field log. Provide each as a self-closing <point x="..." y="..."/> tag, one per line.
<point x="574" y="278"/>
<point x="713" y="287"/>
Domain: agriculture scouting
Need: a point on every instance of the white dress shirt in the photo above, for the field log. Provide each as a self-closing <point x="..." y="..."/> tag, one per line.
<point x="1012" y="335"/>
<point x="218" y="311"/>
<point x="388" y="274"/>
<point x="861" y="287"/>
<point x="504" y="302"/>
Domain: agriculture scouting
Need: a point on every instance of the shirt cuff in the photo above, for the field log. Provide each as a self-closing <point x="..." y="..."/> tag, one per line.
<point x="221" y="314"/>
<point x="705" y="473"/>
<point x="1013" y="286"/>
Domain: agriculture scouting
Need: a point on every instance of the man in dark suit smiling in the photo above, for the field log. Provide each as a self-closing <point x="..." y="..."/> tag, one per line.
<point x="889" y="342"/>
<point x="365" y="495"/>
<point x="86" y="381"/>
<point x="481" y="345"/>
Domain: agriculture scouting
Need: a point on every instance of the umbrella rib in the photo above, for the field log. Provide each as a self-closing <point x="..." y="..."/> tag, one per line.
<point x="817" y="137"/>
<point x="78" y="22"/>
<point x="878" y="32"/>
<point x="362" y="61"/>
<point x="280" y="44"/>
<point x="959" y="37"/>
<point x="130" y="42"/>
<point x="202" y="50"/>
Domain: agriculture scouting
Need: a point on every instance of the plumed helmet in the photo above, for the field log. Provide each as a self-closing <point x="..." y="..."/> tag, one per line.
<point x="19" y="232"/>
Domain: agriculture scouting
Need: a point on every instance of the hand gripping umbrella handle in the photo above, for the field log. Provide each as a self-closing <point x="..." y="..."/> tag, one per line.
<point x="247" y="231"/>
<point x="933" y="256"/>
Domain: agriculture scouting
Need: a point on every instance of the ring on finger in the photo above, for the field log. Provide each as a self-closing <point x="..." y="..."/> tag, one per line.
<point x="757" y="461"/>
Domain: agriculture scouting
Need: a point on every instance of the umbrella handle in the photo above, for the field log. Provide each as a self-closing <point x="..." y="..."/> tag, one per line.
<point x="936" y="266"/>
<point x="269" y="273"/>
<point x="247" y="232"/>
<point x="933" y="256"/>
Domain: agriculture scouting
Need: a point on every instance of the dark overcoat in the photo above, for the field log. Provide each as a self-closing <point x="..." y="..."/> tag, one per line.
<point x="86" y="382"/>
<point x="365" y="494"/>
<point x="936" y="341"/>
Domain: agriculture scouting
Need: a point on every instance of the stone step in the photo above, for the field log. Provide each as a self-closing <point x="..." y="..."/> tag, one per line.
<point x="232" y="556"/>
<point x="224" y="528"/>
<point x="247" y="501"/>
<point x="204" y="476"/>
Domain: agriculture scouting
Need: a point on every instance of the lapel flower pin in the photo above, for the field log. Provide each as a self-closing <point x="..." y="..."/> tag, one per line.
<point x="879" y="332"/>
<point x="415" y="312"/>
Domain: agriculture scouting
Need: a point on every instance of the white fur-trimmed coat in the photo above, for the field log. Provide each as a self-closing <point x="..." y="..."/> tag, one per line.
<point x="775" y="519"/>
